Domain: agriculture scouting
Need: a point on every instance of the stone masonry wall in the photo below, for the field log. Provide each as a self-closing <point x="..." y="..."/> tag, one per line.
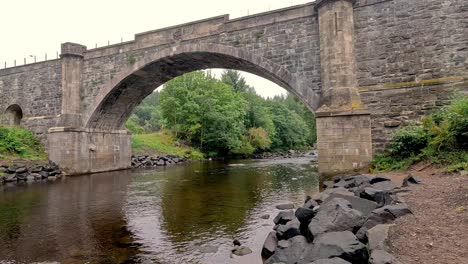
<point x="36" y="89"/>
<point x="412" y="56"/>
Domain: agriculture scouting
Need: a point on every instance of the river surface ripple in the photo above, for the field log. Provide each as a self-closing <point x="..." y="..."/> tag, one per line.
<point x="180" y="214"/>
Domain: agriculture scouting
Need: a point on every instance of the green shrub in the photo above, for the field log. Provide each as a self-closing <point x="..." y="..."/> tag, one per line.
<point x="16" y="142"/>
<point x="408" y="141"/>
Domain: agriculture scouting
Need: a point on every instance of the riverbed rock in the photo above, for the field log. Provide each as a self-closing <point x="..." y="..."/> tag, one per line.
<point x="362" y="205"/>
<point x="383" y="257"/>
<point x="285" y="206"/>
<point x="265" y="216"/>
<point x="289" y="230"/>
<point x="328" y="184"/>
<point x="388" y="186"/>
<point x="289" y="251"/>
<point x="378" y="237"/>
<point x="410" y="179"/>
<point x="283" y="217"/>
<point x="331" y="261"/>
<point x="379" y="178"/>
<point x="21" y="170"/>
<point x="310" y="203"/>
<point x="11" y="178"/>
<point x="343" y="245"/>
<point x="241" y="250"/>
<point x="382" y="198"/>
<point x="44" y="174"/>
<point x="270" y="245"/>
<point x="335" y="215"/>
<point x="384" y="215"/>
<point x="325" y="194"/>
<point x="304" y="215"/>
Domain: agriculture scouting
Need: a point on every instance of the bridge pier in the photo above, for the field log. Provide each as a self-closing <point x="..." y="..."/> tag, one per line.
<point x="344" y="139"/>
<point x="81" y="151"/>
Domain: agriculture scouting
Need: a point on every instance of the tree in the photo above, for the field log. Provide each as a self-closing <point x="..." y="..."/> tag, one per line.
<point x="236" y="81"/>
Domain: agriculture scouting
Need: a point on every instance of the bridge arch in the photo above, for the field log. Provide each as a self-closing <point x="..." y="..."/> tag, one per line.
<point x="13" y="115"/>
<point x="117" y="98"/>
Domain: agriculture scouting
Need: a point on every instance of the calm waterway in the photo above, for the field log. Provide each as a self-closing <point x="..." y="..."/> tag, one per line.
<point x="180" y="214"/>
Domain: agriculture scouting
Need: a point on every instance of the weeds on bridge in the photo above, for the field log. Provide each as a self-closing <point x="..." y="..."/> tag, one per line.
<point x="440" y="139"/>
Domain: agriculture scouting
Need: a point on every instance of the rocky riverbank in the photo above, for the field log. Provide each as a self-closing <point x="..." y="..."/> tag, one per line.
<point x="17" y="173"/>
<point x="347" y="223"/>
<point x="285" y="154"/>
<point x="147" y="161"/>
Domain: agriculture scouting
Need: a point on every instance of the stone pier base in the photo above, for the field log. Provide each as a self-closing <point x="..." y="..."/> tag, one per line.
<point x="344" y="142"/>
<point x="81" y="151"/>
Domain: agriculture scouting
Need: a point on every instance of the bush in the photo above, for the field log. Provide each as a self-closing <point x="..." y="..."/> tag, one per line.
<point x="408" y="141"/>
<point x="16" y="142"/>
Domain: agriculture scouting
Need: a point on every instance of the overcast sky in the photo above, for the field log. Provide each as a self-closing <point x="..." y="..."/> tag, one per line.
<point x="36" y="27"/>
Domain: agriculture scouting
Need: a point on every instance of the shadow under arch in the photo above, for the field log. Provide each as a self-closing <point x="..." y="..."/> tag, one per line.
<point x="13" y="115"/>
<point x="117" y="98"/>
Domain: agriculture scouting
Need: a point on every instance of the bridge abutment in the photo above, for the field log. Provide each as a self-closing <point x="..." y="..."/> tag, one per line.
<point x="344" y="139"/>
<point x="81" y="151"/>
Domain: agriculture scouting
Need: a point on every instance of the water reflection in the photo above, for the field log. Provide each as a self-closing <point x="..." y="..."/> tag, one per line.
<point x="185" y="214"/>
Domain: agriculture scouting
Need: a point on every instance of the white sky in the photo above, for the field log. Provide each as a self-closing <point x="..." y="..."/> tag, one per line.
<point x="36" y="27"/>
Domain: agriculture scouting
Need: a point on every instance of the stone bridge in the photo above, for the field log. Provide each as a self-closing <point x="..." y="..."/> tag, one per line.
<point x="365" y="67"/>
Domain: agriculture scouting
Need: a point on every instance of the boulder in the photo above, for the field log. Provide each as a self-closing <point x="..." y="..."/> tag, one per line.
<point x="325" y="194"/>
<point x="289" y="230"/>
<point x="378" y="237"/>
<point x="290" y="251"/>
<point x="304" y="215"/>
<point x="310" y="203"/>
<point x="331" y="261"/>
<point x="283" y="217"/>
<point x="328" y="184"/>
<point x="343" y="245"/>
<point x="384" y="215"/>
<point x="362" y="205"/>
<point x="379" y="178"/>
<point x="44" y="174"/>
<point x="36" y="176"/>
<point x="285" y="206"/>
<point x="21" y="170"/>
<point x="11" y="178"/>
<point x="382" y="257"/>
<point x="382" y="198"/>
<point x="336" y="215"/>
<point x="410" y="179"/>
<point x="241" y="250"/>
<point x="385" y="186"/>
<point x="270" y="245"/>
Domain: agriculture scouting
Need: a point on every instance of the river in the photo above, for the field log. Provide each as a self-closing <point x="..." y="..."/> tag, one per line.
<point x="180" y="214"/>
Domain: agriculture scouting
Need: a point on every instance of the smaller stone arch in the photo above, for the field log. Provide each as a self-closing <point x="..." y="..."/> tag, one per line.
<point x="13" y="115"/>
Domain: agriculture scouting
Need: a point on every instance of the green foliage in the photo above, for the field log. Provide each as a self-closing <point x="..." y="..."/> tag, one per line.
<point x="408" y="141"/>
<point x="441" y="139"/>
<point x="163" y="142"/>
<point x="16" y="142"/>
<point x="130" y="59"/>
<point x="258" y="138"/>
<point x="224" y="117"/>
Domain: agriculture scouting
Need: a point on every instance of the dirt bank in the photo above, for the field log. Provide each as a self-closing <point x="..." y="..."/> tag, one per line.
<point x="438" y="230"/>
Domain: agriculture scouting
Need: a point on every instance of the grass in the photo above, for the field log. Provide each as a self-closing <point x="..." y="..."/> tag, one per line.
<point x="19" y="143"/>
<point x="163" y="142"/>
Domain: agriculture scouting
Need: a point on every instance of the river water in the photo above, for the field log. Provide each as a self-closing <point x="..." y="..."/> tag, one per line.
<point x="180" y="214"/>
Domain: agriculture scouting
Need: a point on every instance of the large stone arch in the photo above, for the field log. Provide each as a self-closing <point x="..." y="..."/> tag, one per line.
<point x="117" y="98"/>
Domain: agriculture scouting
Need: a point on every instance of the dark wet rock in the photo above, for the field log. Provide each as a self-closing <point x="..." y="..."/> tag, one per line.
<point x="241" y="250"/>
<point x="343" y="245"/>
<point x="382" y="198"/>
<point x="236" y="242"/>
<point x="22" y="176"/>
<point x="36" y="176"/>
<point x="290" y="251"/>
<point x="161" y="162"/>
<point x="342" y="184"/>
<point x="379" y="178"/>
<point x="12" y="169"/>
<point x="336" y="215"/>
<point x="285" y="206"/>
<point x="37" y="169"/>
<point x="410" y="179"/>
<point x="11" y="178"/>
<point x="331" y="261"/>
<point x="378" y="237"/>
<point x="289" y="230"/>
<point x="22" y="170"/>
<point x="283" y="217"/>
<point x="382" y="257"/>
<point x="54" y="173"/>
<point x="44" y="174"/>
<point x="270" y="245"/>
<point x="265" y="216"/>
<point x="304" y="215"/>
<point x="385" y="186"/>
<point x="384" y="215"/>
<point x="362" y="205"/>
